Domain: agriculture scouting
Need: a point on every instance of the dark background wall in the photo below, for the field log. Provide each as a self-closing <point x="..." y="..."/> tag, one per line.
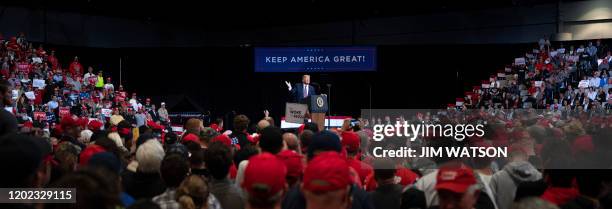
<point x="425" y="60"/>
<point x="212" y="25"/>
<point x="221" y="79"/>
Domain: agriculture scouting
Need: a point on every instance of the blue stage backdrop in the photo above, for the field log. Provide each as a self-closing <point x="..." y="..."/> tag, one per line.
<point x="315" y="59"/>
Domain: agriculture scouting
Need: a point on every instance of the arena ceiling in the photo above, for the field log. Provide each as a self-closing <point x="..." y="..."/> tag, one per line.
<point x="237" y="15"/>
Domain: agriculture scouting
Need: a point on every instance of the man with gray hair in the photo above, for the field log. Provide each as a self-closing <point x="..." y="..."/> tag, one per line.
<point x="146" y="182"/>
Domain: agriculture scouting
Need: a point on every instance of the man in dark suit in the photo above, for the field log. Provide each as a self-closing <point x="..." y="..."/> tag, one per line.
<point x="301" y="91"/>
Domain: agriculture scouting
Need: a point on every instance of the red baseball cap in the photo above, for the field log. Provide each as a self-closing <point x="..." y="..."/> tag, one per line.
<point x="223" y="139"/>
<point x="456" y="180"/>
<point x="293" y="161"/>
<point x="95" y="125"/>
<point x="28" y="124"/>
<point x="215" y="127"/>
<point x="191" y="137"/>
<point x="264" y="176"/>
<point x="68" y="122"/>
<point x="350" y="141"/>
<point x="88" y="152"/>
<point x="327" y="172"/>
<point x="83" y="122"/>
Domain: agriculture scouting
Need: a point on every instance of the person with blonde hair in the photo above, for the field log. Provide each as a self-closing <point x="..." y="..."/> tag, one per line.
<point x="194" y="126"/>
<point x="193" y="194"/>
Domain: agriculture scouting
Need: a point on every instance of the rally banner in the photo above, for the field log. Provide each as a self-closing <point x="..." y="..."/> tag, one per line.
<point x="315" y="59"/>
<point x="106" y="112"/>
<point x="519" y="61"/>
<point x="40" y="116"/>
<point x="64" y="111"/>
<point x="459" y="101"/>
<point x="295" y="112"/>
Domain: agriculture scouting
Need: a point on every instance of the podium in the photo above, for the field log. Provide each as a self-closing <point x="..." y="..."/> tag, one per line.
<point x="318" y="107"/>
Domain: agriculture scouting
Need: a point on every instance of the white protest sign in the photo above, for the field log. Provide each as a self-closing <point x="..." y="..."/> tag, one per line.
<point x="574" y="58"/>
<point x="579" y="50"/>
<point x="583" y="84"/>
<point x="106" y="112"/>
<point x="599" y="61"/>
<point x="538" y="83"/>
<point x="15" y="94"/>
<point x="519" y="61"/>
<point x="486" y="85"/>
<point x="295" y="112"/>
<point x="535" y="51"/>
<point x="30" y="95"/>
<point x="38" y="83"/>
<point x="561" y="50"/>
<point x="553" y="53"/>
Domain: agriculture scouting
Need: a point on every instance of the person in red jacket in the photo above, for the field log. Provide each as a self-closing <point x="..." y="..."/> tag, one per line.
<point x="544" y="64"/>
<point x="40" y="51"/>
<point x="53" y="60"/>
<point x="75" y="67"/>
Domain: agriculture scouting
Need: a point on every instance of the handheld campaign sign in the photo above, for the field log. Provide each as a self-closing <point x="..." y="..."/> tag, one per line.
<point x="519" y="61"/>
<point x="38" y="83"/>
<point x="561" y="50"/>
<point x="583" y="84"/>
<point x="40" y="116"/>
<point x="295" y="112"/>
<point x="106" y="112"/>
<point x="315" y="59"/>
<point x="538" y="83"/>
<point x="30" y="95"/>
<point x="64" y="111"/>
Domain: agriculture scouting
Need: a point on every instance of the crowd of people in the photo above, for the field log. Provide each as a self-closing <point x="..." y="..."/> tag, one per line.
<point x="562" y="78"/>
<point x="62" y="128"/>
